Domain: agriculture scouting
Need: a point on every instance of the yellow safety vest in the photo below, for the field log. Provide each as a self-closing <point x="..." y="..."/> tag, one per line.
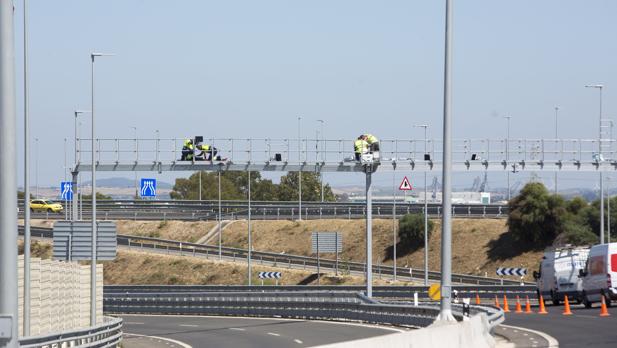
<point x="371" y="139"/>
<point x="360" y="146"/>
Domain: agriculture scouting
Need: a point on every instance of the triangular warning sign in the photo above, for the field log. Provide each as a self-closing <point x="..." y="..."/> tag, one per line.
<point x="405" y="185"/>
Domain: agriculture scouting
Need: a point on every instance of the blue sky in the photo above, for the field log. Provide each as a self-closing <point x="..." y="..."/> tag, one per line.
<point x="249" y="68"/>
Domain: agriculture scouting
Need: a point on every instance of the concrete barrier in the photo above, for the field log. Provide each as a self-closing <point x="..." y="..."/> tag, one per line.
<point x="473" y="333"/>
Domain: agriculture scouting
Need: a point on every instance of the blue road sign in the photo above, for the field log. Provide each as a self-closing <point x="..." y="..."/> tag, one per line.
<point x="148" y="188"/>
<point x="66" y="191"/>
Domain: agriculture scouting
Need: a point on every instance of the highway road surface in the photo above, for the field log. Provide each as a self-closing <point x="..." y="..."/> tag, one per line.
<point x="201" y="331"/>
<point x="585" y="328"/>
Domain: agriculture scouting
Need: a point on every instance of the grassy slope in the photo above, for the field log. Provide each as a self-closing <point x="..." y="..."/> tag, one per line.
<point x="479" y="245"/>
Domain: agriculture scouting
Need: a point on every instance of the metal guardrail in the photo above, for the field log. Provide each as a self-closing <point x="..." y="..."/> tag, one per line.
<point x="232" y="210"/>
<point x="326" y="305"/>
<point x="281" y="260"/>
<point x="392" y="292"/>
<point x="107" y="334"/>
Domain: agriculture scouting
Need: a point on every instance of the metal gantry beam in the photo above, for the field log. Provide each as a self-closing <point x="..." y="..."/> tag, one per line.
<point x="468" y="155"/>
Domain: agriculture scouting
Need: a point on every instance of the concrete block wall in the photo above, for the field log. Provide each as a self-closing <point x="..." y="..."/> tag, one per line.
<point x="59" y="296"/>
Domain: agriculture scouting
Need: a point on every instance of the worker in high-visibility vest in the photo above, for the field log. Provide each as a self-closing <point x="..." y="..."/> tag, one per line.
<point x="360" y="146"/>
<point x="208" y="152"/>
<point x="187" y="150"/>
<point x="372" y="141"/>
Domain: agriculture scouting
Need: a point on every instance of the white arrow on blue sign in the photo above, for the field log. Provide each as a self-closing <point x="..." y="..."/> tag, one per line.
<point x="66" y="191"/>
<point x="148" y="187"/>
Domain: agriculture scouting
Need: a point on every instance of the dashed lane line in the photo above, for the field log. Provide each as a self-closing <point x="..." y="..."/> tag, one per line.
<point x="164" y="339"/>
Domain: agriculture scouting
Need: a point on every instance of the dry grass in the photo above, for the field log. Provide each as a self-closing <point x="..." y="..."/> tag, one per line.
<point x="175" y="230"/>
<point x="38" y="249"/>
<point x="474" y="243"/>
<point x="479" y="246"/>
<point x="133" y="267"/>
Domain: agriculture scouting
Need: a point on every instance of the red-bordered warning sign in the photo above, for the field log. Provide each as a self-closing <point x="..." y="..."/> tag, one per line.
<point x="405" y="185"/>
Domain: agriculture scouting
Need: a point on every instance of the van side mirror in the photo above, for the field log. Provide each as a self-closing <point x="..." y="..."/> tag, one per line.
<point x="536" y="275"/>
<point x="581" y="273"/>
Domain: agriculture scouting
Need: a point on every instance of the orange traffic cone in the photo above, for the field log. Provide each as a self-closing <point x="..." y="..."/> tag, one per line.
<point x="518" y="308"/>
<point x="506" y="308"/>
<point x="566" y="306"/>
<point x="527" y="306"/>
<point x="477" y="298"/>
<point x="603" y="310"/>
<point x="542" y="309"/>
<point x="497" y="302"/>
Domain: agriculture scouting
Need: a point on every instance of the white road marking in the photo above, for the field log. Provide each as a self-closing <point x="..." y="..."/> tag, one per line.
<point x="134" y="323"/>
<point x="585" y="316"/>
<point x="188" y="325"/>
<point x="181" y="344"/>
<point x="236" y="329"/>
<point x="552" y="342"/>
<point x="273" y="334"/>
<point x="298" y="341"/>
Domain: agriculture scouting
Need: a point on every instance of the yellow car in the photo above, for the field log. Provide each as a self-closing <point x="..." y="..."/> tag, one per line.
<point x="44" y="205"/>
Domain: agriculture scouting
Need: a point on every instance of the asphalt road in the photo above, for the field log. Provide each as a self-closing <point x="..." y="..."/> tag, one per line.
<point x="199" y="331"/>
<point x="585" y="328"/>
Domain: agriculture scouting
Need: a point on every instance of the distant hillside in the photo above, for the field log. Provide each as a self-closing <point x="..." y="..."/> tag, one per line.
<point x="124" y="182"/>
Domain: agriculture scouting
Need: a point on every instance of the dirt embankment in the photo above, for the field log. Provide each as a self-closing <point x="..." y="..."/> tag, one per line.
<point x="131" y="267"/>
<point x="479" y="246"/>
<point x="174" y="230"/>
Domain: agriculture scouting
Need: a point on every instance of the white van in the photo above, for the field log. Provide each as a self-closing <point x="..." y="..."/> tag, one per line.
<point x="559" y="274"/>
<point x="600" y="274"/>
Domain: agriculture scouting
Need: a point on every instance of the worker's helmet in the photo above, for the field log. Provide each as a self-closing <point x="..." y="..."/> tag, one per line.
<point x="188" y="142"/>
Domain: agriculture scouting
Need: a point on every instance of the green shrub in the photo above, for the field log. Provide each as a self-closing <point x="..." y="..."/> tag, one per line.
<point x="411" y="230"/>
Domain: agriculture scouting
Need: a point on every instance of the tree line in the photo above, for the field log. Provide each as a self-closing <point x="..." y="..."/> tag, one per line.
<point x="234" y="186"/>
<point x="541" y="218"/>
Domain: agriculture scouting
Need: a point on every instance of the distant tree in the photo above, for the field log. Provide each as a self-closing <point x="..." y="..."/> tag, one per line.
<point x="411" y="230"/>
<point x="21" y="195"/>
<point x="535" y="215"/>
<point x="234" y="186"/>
<point x="99" y="196"/>
<point x="311" y="188"/>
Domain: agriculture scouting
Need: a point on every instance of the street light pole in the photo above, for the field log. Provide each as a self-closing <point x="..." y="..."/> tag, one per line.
<point x="445" y="312"/>
<point x="26" y="314"/>
<point x="36" y="167"/>
<point x="599" y="159"/>
<point x="322" y="157"/>
<point x="425" y="126"/>
<point x="8" y="180"/>
<point x="93" y="170"/>
<point x="135" y="172"/>
<point x="299" y="172"/>
<point x="508" y="155"/>
<point x="556" y="137"/>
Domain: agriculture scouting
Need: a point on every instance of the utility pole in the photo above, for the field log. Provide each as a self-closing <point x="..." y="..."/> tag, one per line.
<point x="8" y="178"/>
<point x="445" y="311"/>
